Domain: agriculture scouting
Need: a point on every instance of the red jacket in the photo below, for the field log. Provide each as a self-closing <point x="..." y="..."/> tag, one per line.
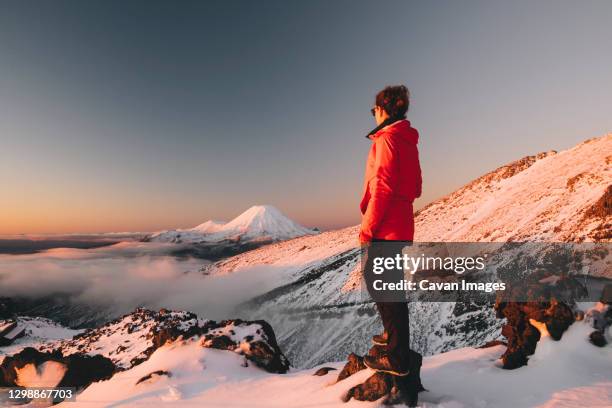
<point x="392" y="182"/>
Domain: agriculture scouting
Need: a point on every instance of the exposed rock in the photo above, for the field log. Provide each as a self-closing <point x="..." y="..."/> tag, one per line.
<point x="522" y="335"/>
<point x="597" y="338"/>
<point x="600" y="318"/>
<point x="219" y="342"/>
<point x="396" y="389"/>
<point x="81" y="370"/>
<point x="353" y="365"/>
<point x="375" y="387"/>
<point x="157" y="373"/>
<point x="254" y="339"/>
<point x="558" y="319"/>
<point x="603" y="207"/>
<point x="400" y="396"/>
<point x="323" y="371"/>
<point x="543" y="292"/>
<point x="132" y="338"/>
<point x="606" y="294"/>
<point x="493" y="343"/>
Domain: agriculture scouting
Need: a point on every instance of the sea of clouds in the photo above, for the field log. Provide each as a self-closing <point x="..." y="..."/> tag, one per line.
<point x="126" y="275"/>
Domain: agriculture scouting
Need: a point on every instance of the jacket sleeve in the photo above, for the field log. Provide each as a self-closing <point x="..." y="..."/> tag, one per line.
<point x="419" y="179"/>
<point x="381" y="187"/>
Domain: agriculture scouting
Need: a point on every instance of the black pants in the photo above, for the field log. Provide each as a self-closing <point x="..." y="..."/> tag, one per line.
<point x="394" y="314"/>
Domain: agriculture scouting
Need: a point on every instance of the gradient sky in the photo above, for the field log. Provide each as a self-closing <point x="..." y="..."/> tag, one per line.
<point x="139" y="116"/>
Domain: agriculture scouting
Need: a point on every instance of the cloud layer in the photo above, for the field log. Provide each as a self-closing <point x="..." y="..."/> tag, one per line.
<point x="126" y="275"/>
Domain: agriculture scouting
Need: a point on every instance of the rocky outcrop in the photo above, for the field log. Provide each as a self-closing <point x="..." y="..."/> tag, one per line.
<point x="394" y="390"/>
<point x="97" y="354"/>
<point x="323" y="371"/>
<point x="548" y="300"/>
<point x="353" y="365"/>
<point x="254" y="339"/>
<point x="521" y="334"/>
<point x="76" y="370"/>
<point x="121" y="344"/>
<point x="150" y="376"/>
<point x="132" y="338"/>
<point x="375" y="387"/>
<point x="600" y="318"/>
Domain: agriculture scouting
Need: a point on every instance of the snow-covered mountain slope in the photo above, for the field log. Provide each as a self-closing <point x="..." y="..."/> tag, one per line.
<point x="36" y="330"/>
<point x="129" y="341"/>
<point x="568" y="373"/>
<point x="260" y="223"/>
<point x="551" y="197"/>
<point x="562" y="197"/>
<point x="209" y="226"/>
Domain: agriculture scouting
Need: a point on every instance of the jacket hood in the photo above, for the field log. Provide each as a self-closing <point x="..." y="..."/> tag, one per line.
<point x="400" y="127"/>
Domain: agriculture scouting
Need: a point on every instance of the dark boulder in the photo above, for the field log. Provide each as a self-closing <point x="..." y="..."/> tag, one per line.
<point x="600" y="318"/>
<point x="81" y="370"/>
<point x="323" y="371"/>
<point x="157" y="373"/>
<point x="598" y="339"/>
<point x="394" y="389"/>
<point x="375" y="387"/>
<point x="493" y="343"/>
<point x="353" y="365"/>
<point x="219" y="342"/>
<point x="257" y="342"/>
<point x="172" y="325"/>
<point x="547" y="299"/>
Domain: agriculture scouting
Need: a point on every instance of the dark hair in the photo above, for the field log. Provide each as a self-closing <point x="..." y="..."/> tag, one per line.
<point x="394" y="100"/>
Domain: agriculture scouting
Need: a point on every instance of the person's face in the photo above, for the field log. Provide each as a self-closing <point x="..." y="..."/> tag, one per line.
<point x="379" y="114"/>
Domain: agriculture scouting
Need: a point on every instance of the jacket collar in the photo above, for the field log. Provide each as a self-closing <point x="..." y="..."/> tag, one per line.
<point x="387" y="122"/>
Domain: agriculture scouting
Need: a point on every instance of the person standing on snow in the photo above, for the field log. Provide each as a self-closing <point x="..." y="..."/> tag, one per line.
<point x="392" y="182"/>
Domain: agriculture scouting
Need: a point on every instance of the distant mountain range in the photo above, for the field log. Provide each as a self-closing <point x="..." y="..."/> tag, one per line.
<point x="260" y="223"/>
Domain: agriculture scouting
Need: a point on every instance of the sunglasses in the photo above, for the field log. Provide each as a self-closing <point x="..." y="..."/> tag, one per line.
<point x="373" y="111"/>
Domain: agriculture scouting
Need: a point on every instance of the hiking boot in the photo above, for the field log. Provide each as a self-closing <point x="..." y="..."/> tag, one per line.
<point x="383" y="364"/>
<point x="380" y="339"/>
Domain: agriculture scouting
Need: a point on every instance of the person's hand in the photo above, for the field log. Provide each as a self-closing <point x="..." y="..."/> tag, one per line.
<point x="364" y="238"/>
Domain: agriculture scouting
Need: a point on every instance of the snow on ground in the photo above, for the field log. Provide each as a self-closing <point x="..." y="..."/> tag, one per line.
<point x="37" y="330"/>
<point x="568" y="373"/>
<point x="547" y="197"/>
<point x="127" y="339"/>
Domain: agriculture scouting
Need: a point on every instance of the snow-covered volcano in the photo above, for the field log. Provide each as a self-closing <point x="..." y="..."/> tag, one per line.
<point x="260" y="223"/>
